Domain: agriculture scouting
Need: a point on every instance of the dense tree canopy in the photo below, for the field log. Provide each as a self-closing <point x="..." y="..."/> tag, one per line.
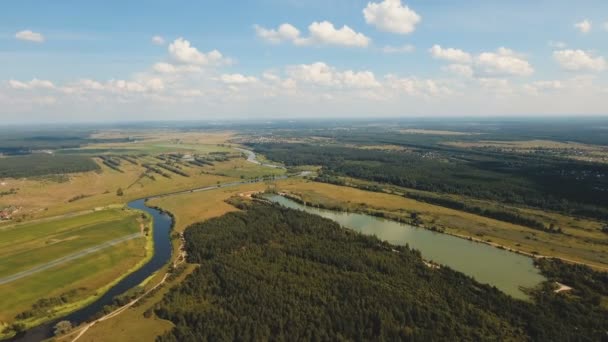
<point x="271" y="273"/>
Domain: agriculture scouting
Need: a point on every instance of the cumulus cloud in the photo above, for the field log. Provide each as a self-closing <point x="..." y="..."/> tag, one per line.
<point x="168" y="68"/>
<point x="237" y="79"/>
<point x="391" y="16"/>
<point x="579" y="60"/>
<point x="413" y="86"/>
<point x="583" y="26"/>
<point x="33" y="84"/>
<point x="503" y="62"/>
<point x="320" y="33"/>
<point x="183" y="52"/>
<point x="450" y="54"/>
<point x="322" y="74"/>
<point x="285" y="32"/>
<point x="30" y="36"/>
<point x="158" y="40"/>
<point x="407" y="48"/>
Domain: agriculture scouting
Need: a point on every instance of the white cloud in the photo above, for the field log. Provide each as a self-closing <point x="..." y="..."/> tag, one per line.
<point x="322" y="74"/>
<point x="503" y="62"/>
<point x="606" y="26"/>
<point x="285" y="32"/>
<point x="237" y="79"/>
<point x="33" y="84"/>
<point x="407" y="48"/>
<point x="269" y="76"/>
<point x="417" y="87"/>
<point x="464" y="70"/>
<point x="158" y="40"/>
<point x="325" y="33"/>
<point x="320" y="33"/>
<point x="583" y="26"/>
<point x="450" y="54"/>
<point x="181" y="51"/>
<point x="30" y="36"/>
<point x="579" y="60"/>
<point x="167" y="68"/>
<point x="538" y="87"/>
<point x="391" y="16"/>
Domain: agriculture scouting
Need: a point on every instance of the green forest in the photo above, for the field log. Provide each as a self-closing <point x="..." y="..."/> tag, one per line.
<point x="567" y="186"/>
<point x="44" y="164"/>
<point x="272" y="273"/>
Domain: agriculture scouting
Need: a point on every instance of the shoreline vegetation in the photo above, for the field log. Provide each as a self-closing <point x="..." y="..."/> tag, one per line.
<point x="264" y="255"/>
<point x="412" y="222"/>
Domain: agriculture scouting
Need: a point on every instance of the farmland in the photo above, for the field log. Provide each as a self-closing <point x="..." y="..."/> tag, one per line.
<point x="29" y="245"/>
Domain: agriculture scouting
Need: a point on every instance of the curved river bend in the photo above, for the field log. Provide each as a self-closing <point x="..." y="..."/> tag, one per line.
<point x="506" y="270"/>
<point x="162" y="254"/>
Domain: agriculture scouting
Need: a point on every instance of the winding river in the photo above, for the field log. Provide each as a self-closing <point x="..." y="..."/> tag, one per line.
<point x="506" y="270"/>
<point x="162" y="255"/>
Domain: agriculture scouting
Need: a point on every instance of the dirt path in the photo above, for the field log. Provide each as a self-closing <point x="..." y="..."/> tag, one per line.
<point x="83" y="330"/>
<point x="67" y="258"/>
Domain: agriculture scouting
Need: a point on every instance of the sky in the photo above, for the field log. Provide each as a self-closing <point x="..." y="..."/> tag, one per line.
<point x="85" y="61"/>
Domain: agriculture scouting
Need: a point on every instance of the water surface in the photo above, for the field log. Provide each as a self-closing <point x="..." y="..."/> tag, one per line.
<point x="506" y="270"/>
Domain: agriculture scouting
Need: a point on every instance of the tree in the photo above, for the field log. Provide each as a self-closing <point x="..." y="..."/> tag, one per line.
<point x="62" y="327"/>
<point x="119" y="192"/>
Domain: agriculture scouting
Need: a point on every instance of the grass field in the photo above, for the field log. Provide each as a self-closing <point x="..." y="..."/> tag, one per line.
<point x="27" y="245"/>
<point x="187" y="208"/>
<point x="57" y="195"/>
<point x="581" y="241"/>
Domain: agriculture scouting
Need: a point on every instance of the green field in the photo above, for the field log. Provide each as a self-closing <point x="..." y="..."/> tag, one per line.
<point x="25" y="246"/>
<point x="24" y="254"/>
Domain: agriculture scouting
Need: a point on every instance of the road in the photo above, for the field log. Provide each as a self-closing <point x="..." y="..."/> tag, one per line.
<point x="67" y="258"/>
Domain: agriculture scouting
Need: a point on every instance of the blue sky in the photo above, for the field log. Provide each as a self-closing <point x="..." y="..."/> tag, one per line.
<point x="519" y="57"/>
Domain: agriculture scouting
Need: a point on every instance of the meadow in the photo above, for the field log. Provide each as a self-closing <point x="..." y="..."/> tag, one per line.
<point x="33" y="298"/>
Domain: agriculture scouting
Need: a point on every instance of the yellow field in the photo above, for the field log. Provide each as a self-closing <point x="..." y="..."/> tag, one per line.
<point x="574" y="246"/>
<point x="40" y="198"/>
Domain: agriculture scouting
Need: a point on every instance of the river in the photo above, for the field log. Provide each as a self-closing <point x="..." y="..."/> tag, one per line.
<point x="508" y="271"/>
<point x="505" y="270"/>
<point x="162" y="254"/>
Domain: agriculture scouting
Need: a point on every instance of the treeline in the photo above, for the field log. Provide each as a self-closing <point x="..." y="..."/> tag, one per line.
<point x="271" y="273"/>
<point x="569" y="186"/>
<point x="44" y="164"/>
<point x="173" y="169"/>
<point x="111" y="162"/>
<point x="156" y="170"/>
<point x="502" y="215"/>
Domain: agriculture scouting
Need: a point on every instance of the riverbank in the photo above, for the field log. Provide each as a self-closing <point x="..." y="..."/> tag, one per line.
<point x="575" y="245"/>
<point x="89" y="266"/>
